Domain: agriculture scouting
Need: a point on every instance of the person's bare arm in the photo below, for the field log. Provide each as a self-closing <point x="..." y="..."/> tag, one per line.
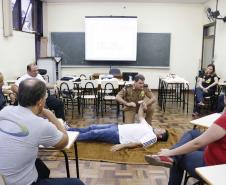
<point x="122" y="146"/>
<point x="212" y="134"/>
<point x="213" y="84"/>
<point x="199" y="82"/>
<point x="14" y="88"/>
<point x="52" y="118"/>
<point x="141" y="111"/>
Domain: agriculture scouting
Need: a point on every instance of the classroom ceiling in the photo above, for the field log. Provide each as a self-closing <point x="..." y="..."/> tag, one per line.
<point x="146" y="1"/>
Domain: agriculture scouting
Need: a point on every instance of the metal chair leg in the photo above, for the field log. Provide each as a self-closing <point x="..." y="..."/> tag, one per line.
<point x="76" y="159"/>
<point x="66" y="163"/>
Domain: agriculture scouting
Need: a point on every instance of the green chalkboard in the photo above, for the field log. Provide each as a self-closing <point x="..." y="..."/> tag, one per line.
<point x="153" y="50"/>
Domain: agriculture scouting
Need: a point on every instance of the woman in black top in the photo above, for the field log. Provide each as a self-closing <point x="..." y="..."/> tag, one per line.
<point x="206" y="85"/>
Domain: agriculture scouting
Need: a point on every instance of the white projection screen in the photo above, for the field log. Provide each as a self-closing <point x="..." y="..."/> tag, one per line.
<point x="111" y="38"/>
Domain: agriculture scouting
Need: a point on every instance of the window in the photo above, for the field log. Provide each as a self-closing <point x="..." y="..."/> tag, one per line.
<point x="16" y="14"/>
<point x="27" y="15"/>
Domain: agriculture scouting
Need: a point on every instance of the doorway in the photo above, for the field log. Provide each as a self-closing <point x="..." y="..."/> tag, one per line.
<point x="208" y="44"/>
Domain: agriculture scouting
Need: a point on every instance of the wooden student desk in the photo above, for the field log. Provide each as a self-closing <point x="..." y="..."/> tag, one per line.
<point x="213" y="175"/>
<point x="206" y="121"/>
<point x="73" y="135"/>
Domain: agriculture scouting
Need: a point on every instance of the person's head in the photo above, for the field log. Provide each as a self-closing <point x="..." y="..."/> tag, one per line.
<point x="162" y="134"/>
<point x="31" y="93"/>
<point x="210" y="70"/>
<point x="139" y="81"/>
<point x="1" y="80"/>
<point x="32" y="69"/>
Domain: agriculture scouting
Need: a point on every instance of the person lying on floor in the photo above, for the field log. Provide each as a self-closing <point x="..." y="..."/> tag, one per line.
<point x="124" y="136"/>
<point x="194" y="150"/>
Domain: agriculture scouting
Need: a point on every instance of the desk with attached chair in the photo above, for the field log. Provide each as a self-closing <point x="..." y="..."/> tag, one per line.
<point x="213" y="175"/>
<point x="205" y="121"/>
<point x="73" y="135"/>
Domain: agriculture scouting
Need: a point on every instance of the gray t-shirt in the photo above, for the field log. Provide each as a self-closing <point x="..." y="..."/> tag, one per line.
<point x="21" y="133"/>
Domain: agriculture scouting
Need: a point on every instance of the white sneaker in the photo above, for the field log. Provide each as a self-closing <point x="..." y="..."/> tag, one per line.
<point x="66" y="125"/>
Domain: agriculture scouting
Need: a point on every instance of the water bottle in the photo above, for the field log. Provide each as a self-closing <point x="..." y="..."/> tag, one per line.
<point x="130" y="78"/>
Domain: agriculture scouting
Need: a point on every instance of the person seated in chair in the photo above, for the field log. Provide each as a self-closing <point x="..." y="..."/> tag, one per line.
<point x="4" y="92"/>
<point x="131" y="95"/>
<point x="23" y="129"/>
<point x="52" y="102"/>
<point x="206" y="86"/>
<point x="221" y="102"/>
<point x="195" y="149"/>
<point x="123" y="136"/>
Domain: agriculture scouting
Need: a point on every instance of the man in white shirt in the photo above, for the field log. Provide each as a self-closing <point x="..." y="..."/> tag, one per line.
<point x="124" y="136"/>
<point x="22" y="130"/>
<point x="52" y="102"/>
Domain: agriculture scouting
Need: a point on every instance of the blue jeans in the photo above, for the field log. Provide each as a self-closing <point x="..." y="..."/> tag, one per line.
<point x="186" y="162"/>
<point x="99" y="132"/>
<point x="200" y="97"/>
<point x="59" y="181"/>
<point x="220" y="103"/>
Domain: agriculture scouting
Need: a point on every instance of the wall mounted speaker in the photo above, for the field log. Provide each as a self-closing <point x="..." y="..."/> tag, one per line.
<point x="7" y="18"/>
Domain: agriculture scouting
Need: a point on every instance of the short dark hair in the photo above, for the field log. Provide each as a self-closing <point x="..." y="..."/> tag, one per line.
<point x="139" y="77"/>
<point x="164" y="136"/>
<point x="30" y="92"/>
<point x="213" y="66"/>
<point x="29" y="66"/>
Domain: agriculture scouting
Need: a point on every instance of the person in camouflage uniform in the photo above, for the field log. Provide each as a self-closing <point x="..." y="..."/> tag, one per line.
<point x="132" y="95"/>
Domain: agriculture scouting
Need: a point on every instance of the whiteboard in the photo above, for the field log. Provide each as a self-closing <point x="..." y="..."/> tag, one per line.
<point x="111" y="38"/>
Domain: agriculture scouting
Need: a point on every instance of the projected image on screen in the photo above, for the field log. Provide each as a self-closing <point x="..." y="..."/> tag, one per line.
<point x="111" y="38"/>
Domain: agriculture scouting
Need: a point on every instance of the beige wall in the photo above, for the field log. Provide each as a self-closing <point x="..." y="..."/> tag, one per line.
<point x="15" y="51"/>
<point x="220" y="39"/>
<point x="220" y="44"/>
<point x="184" y="22"/>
